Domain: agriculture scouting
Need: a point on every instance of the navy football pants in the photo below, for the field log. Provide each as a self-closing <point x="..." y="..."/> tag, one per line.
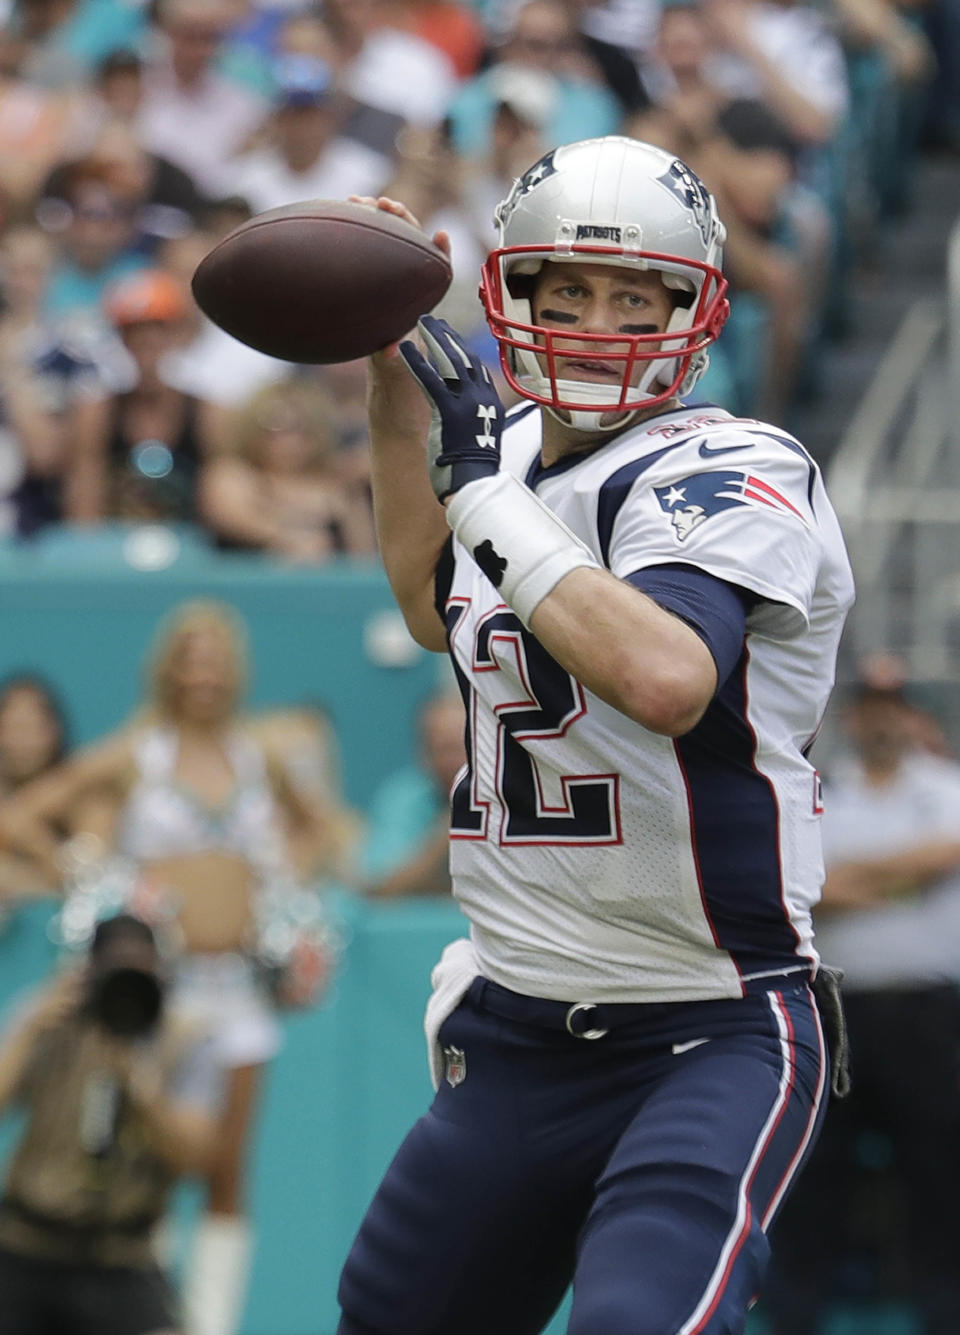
<point x="646" y="1166"/>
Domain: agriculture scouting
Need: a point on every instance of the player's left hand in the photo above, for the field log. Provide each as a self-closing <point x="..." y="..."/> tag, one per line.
<point x="466" y="415"/>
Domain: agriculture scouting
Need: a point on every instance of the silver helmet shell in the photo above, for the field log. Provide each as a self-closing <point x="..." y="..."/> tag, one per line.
<point x="610" y="201"/>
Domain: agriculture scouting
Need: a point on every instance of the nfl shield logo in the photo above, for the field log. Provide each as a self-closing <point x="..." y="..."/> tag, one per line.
<point x="455" y="1066"/>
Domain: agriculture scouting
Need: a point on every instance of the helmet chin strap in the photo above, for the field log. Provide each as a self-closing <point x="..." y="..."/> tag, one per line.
<point x="579" y="419"/>
<point x="606" y="416"/>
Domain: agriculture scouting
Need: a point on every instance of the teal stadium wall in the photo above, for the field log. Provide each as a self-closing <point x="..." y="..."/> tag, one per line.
<point x="352" y="1075"/>
<point x="80" y="613"/>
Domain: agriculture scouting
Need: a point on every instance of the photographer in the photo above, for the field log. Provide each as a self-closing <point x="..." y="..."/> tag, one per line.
<point x="120" y="1100"/>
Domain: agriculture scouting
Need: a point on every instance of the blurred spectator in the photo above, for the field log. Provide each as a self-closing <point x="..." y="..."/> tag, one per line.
<point x="33" y="731"/>
<point x="33" y="739"/>
<point x="783" y="53"/>
<point x="942" y="23"/>
<point x="276" y="491"/>
<point x="525" y="102"/>
<point x="118" y="86"/>
<point x="346" y="385"/>
<point x="890" y="918"/>
<point x="781" y="250"/>
<point x="160" y="196"/>
<point x="34" y="127"/>
<point x="882" y="26"/>
<point x="780" y="240"/>
<point x="50" y="396"/>
<point x="95" y="233"/>
<point x="308" y="33"/>
<point x="219" y="217"/>
<point x="885" y="671"/>
<point x="407" y="845"/>
<point x="304" y="157"/>
<point x="429" y="179"/>
<point x="121" y="1099"/>
<point x="543" y="37"/>
<point x="302" y="739"/>
<point x="190" y="113"/>
<point x="388" y="66"/>
<point x="67" y="39"/>
<point x="196" y="805"/>
<point x="454" y="28"/>
<point x="617" y="35"/>
<point x="207" y="363"/>
<point x="144" y="465"/>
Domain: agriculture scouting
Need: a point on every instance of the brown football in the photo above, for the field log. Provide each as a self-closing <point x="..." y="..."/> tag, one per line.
<point x="323" y="280"/>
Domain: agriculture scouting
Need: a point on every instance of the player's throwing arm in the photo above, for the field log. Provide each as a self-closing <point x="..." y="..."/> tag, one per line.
<point x="611" y="637"/>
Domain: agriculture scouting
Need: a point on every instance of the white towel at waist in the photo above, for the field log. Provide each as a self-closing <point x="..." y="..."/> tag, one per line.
<point x="451" y="976"/>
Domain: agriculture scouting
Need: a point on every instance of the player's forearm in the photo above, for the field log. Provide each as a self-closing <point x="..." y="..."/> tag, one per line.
<point x="868" y="881"/>
<point x="627" y="650"/>
<point x="410" y="523"/>
<point x="913" y="868"/>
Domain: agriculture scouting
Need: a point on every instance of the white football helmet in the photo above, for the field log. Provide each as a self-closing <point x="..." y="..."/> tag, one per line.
<point x="612" y="201"/>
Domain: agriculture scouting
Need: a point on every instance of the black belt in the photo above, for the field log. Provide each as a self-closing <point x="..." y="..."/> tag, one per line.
<point x="582" y="1019"/>
<point x="592" y="1020"/>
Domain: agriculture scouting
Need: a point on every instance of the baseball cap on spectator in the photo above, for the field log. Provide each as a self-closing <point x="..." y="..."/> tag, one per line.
<point x="530" y="94"/>
<point x="301" y="81"/>
<point x="148" y="296"/>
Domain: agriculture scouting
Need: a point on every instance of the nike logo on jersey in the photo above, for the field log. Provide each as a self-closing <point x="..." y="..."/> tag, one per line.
<point x="691" y="501"/>
<point x="706" y="450"/>
<point x="686" y="1047"/>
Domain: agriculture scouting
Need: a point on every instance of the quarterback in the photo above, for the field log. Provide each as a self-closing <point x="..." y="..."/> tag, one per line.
<point x="642" y="602"/>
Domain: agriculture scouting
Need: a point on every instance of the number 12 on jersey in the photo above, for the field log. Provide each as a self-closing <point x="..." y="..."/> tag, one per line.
<point x="586" y="807"/>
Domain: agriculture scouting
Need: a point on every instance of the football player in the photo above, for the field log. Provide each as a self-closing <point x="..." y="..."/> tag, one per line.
<point x="642" y="602"/>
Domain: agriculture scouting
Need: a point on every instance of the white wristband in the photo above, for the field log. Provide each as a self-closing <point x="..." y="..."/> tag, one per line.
<point x="501" y="522"/>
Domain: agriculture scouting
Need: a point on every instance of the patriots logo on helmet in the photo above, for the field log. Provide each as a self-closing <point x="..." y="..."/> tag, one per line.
<point x="693" y="195"/>
<point x="692" y="500"/>
<point x="530" y="178"/>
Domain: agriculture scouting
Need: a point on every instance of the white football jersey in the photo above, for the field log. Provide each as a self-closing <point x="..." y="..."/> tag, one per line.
<point x="596" y="860"/>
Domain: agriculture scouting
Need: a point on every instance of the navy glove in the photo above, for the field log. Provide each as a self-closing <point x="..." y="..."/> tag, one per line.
<point x="466" y="412"/>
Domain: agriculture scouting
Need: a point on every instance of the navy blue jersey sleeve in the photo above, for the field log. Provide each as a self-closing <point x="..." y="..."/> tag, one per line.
<point x="716" y="610"/>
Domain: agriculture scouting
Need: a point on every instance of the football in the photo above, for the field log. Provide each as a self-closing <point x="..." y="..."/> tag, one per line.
<point x="321" y="281"/>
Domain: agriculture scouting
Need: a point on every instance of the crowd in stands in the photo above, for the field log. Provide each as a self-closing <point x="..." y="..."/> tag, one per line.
<point x="133" y="136"/>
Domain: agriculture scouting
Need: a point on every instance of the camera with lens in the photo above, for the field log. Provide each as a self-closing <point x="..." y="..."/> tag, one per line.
<point x="125" y="986"/>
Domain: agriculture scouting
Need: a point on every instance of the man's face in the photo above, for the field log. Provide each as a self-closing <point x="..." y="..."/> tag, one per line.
<point x="580" y="297"/>
<point x="442" y="741"/>
<point x="543" y="36"/>
<point x="195" y="42"/>
<point x="101" y="227"/>
<point x="683" y="41"/>
<point x="881" y="729"/>
<point x="303" y="130"/>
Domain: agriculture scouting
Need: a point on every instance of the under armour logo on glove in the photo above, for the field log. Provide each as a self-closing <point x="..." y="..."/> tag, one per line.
<point x="488" y="416"/>
<point x="462" y="398"/>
